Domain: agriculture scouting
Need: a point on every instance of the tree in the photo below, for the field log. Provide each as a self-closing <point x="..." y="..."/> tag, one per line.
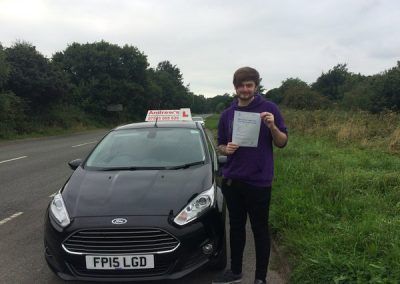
<point x="304" y="98"/>
<point x="291" y="83"/>
<point x="220" y="107"/>
<point x="199" y="103"/>
<point x="33" y="78"/>
<point x="219" y="103"/>
<point x="296" y="93"/>
<point x="104" y="74"/>
<point x="170" y="79"/>
<point x="261" y="90"/>
<point x="361" y="96"/>
<point x="274" y="95"/>
<point x="391" y="87"/>
<point x="331" y="84"/>
<point x="4" y="68"/>
<point x="12" y="115"/>
<point x="172" y="70"/>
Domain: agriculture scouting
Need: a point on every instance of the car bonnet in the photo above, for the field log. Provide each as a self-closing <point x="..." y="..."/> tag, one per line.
<point x="128" y="193"/>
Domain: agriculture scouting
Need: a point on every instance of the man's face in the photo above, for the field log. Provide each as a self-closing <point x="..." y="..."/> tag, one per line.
<point x="246" y="90"/>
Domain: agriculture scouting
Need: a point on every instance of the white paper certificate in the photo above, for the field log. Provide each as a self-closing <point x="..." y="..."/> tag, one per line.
<point x="246" y="128"/>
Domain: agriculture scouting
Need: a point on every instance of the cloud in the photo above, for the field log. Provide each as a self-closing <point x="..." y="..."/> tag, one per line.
<point x="208" y="40"/>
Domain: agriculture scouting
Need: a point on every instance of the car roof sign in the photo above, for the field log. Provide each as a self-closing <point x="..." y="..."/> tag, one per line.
<point x="169" y="115"/>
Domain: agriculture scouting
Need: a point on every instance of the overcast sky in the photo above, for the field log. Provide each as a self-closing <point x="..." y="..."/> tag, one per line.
<point x="208" y="40"/>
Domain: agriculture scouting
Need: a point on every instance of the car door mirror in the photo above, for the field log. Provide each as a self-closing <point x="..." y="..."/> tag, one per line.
<point x="74" y="164"/>
<point x="222" y="160"/>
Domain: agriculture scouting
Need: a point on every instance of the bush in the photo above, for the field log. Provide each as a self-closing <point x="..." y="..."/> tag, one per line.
<point x="12" y="115"/>
<point x="304" y="98"/>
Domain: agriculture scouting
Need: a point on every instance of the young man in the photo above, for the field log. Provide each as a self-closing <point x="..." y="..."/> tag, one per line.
<point x="248" y="174"/>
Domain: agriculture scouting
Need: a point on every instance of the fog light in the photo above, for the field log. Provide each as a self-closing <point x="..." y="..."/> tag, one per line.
<point x="47" y="252"/>
<point x="208" y="249"/>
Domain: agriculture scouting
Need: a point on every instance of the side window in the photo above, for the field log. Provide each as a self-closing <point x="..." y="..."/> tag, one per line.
<point x="211" y="148"/>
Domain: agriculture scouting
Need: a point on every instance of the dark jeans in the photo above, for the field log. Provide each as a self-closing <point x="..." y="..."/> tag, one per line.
<point x="243" y="199"/>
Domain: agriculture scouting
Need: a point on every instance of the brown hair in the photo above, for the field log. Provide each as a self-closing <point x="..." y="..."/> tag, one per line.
<point x="246" y="74"/>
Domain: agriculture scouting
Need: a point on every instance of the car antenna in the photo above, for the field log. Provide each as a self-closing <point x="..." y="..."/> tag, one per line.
<point x="159" y="108"/>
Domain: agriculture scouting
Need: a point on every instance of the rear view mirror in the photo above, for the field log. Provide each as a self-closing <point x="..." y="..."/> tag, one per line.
<point x="74" y="164"/>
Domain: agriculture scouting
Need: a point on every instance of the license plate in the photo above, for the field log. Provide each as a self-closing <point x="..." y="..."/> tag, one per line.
<point x="119" y="262"/>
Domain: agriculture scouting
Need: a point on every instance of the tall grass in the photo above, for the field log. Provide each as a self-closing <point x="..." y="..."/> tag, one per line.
<point x="212" y="122"/>
<point x="336" y="197"/>
<point x="379" y="131"/>
<point x="336" y="212"/>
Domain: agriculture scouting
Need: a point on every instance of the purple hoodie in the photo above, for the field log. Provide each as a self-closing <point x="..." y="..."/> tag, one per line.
<point x="252" y="165"/>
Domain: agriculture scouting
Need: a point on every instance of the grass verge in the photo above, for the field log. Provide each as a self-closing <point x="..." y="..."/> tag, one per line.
<point x="336" y="210"/>
<point x="50" y="131"/>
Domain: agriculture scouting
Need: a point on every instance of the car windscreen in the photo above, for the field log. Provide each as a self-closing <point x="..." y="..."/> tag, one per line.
<point x="148" y="148"/>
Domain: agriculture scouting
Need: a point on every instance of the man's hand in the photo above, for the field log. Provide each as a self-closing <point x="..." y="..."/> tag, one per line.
<point x="279" y="138"/>
<point x="269" y="119"/>
<point x="229" y="149"/>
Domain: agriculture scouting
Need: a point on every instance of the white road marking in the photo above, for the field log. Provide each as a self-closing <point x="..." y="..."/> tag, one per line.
<point x="10" y="218"/>
<point x="53" y="194"/>
<point x="83" y="144"/>
<point x="5" y="161"/>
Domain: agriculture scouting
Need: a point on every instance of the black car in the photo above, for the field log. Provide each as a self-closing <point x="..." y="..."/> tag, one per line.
<point x="145" y="204"/>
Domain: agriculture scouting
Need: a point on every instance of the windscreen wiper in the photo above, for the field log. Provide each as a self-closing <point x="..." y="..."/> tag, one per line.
<point x="132" y="169"/>
<point x="185" y="166"/>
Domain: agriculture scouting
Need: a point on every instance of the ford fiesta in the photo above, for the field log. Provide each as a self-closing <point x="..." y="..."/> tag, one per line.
<point x="144" y="205"/>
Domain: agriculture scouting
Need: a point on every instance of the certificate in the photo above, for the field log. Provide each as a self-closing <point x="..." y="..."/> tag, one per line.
<point x="246" y="128"/>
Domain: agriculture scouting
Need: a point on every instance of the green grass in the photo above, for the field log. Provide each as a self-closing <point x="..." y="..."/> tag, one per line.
<point x="48" y="131"/>
<point x="335" y="210"/>
<point x="212" y="121"/>
<point x="365" y="130"/>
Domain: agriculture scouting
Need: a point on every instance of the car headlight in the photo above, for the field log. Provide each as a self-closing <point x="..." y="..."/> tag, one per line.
<point x="59" y="212"/>
<point x="200" y="204"/>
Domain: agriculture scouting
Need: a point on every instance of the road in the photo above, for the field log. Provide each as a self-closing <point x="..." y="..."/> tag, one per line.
<point x="31" y="171"/>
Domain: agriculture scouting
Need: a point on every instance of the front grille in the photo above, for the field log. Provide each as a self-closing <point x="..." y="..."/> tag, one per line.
<point x="121" y="241"/>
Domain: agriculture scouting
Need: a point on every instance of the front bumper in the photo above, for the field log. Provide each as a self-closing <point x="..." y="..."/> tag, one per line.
<point x="187" y="257"/>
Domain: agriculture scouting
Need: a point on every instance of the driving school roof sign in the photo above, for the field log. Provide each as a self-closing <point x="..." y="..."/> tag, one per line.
<point x="169" y="115"/>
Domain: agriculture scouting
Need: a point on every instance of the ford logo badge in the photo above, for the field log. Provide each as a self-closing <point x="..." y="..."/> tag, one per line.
<point x="119" y="221"/>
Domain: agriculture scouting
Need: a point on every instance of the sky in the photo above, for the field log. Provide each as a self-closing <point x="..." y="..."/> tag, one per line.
<point x="208" y="40"/>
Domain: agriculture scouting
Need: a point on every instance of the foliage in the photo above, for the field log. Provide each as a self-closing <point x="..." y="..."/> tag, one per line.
<point x="295" y="93"/>
<point x="360" y="128"/>
<point x="88" y="79"/>
<point x="219" y="103"/>
<point x="336" y="212"/>
<point x="33" y="77"/>
<point x="12" y="117"/>
<point x="81" y="83"/>
<point x="340" y="89"/>
<point x="360" y="97"/>
<point x="391" y="87"/>
<point x="198" y="104"/>
<point x="211" y="122"/>
<point x="173" y="92"/>
<point x="304" y="98"/>
<point x="4" y="68"/>
<point x="274" y="95"/>
<point x="104" y="74"/>
<point x="331" y="84"/>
